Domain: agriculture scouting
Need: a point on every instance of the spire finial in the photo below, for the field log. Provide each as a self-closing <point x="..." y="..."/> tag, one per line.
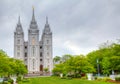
<point x="46" y="20"/>
<point x="33" y="7"/>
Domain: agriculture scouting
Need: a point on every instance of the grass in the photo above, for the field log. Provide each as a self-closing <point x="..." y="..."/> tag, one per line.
<point x="56" y="80"/>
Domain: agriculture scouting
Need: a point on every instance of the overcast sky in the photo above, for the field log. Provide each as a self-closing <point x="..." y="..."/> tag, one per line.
<point x="78" y="26"/>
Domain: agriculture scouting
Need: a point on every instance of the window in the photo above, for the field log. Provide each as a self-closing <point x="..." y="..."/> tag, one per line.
<point x="25" y="61"/>
<point x="25" y="54"/>
<point x="33" y="50"/>
<point x="18" y="54"/>
<point x="47" y="53"/>
<point x="18" y="41"/>
<point x="47" y="41"/>
<point x="33" y="64"/>
<point x="40" y="47"/>
<point x="47" y="47"/>
<point x="25" y="47"/>
<point x="40" y="54"/>
<point x="18" y="48"/>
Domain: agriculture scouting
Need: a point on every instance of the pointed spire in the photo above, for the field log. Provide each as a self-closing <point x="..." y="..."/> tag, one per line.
<point x="19" y="20"/>
<point x="46" y="20"/>
<point x="47" y="27"/>
<point x="33" y="16"/>
<point x="19" y="26"/>
<point x="33" y="24"/>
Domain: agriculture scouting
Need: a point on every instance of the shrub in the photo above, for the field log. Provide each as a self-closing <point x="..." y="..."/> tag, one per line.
<point x="10" y="81"/>
<point x="106" y="79"/>
<point x="5" y="82"/>
<point x="19" y="78"/>
<point x="117" y="78"/>
<point x="77" y="76"/>
<point x="99" y="79"/>
<point x="95" y="77"/>
<point x="103" y="79"/>
<point x="69" y="76"/>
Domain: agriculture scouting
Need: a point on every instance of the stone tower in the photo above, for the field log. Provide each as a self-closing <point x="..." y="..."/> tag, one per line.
<point x="47" y="46"/>
<point x="19" y="41"/>
<point x="36" y="53"/>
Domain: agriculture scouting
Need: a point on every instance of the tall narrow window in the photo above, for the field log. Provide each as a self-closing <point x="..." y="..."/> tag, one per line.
<point x="33" y="50"/>
<point x="18" y="41"/>
<point x="25" y="47"/>
<point x="40" y="54"/>
<point x="40" y="59"/>
<point x="47" y="53"/>
<point x="18" y="48"/>
<point x="47" y="41"/>
<point x="47" y="47"/>
<point x="25" y="54"/>
<point x="33" y="64"/>
<point x="18" y="54"/>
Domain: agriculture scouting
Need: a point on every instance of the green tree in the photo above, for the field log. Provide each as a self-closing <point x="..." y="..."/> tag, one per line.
<point x="66" y="57"/>
<point x="10" y="66"/>
<point x="57" y="59"/>
<point x="75" y="65"/>
<point x="106" y="65"/>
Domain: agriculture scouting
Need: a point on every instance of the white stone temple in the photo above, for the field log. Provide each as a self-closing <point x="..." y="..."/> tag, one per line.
<point x="37" y="51"/>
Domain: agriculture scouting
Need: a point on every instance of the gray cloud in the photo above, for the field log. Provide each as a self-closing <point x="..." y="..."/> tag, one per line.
<point x="78" y="26"/>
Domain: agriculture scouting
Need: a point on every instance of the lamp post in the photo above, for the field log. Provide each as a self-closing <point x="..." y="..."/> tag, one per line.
<point x="98" y="68"/>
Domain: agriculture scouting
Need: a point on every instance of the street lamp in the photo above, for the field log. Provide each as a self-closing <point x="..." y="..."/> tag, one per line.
<point x="98" y="68"/>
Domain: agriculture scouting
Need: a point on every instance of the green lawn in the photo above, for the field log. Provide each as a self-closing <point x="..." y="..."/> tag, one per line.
<point x="55" y="80"/>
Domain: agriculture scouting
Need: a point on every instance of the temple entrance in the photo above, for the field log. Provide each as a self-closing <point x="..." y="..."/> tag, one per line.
<point x="41" y="67"/>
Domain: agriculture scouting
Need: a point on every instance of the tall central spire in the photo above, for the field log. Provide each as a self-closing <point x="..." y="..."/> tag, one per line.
<point x="33" y="24"/>
<point x="33" y="16"/>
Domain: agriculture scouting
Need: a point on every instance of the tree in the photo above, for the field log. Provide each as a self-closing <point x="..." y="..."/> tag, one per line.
<point x="66" y="57"/>
<point x="109" y="57"/>
<point x="4" y="63"/>
<point x="10" y="66"/>
<point x="106" y="65"/>
<point x="75" y="65"/>
<point x="59" y="68"/>
<point x="56" y="59"/>
<point x="20" y="68"/>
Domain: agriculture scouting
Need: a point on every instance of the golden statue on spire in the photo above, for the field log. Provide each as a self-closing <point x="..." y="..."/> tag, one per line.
<point x="33" y="7"/>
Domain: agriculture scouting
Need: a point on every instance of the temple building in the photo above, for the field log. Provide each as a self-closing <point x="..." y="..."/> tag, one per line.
<point x="37" y="51"/>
